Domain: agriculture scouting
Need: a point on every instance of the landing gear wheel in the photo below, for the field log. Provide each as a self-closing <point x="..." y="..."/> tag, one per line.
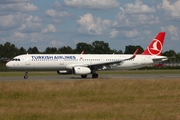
<point x="94" y="75"/>
<point x="84" y="76"/>
<point x="25" y="77"/>
<point x="26" y="74"/>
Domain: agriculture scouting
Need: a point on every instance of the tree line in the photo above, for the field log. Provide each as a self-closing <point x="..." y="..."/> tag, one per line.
<point x="9" y="50"/>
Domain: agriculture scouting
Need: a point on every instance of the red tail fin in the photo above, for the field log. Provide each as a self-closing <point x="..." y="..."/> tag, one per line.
<point x="155" y="47"/>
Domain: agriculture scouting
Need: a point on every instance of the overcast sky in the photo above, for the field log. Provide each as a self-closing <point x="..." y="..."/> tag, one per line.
<point x="57" y="23"/>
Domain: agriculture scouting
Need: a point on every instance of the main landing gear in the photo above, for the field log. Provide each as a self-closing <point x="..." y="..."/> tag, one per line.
<point x="26" y="74"/>
<point x="94" y="75"/>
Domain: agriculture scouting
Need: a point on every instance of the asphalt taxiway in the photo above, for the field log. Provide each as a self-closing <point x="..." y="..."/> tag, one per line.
<point x="102" y="76"/>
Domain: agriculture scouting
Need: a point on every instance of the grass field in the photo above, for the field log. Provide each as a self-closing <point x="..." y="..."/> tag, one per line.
<point x="92" y="99"/>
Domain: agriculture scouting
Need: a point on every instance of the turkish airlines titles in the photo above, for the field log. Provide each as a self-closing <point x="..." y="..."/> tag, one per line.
<point x="52" y="57"/>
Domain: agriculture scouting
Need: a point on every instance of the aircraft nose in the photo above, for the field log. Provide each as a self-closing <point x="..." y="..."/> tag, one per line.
<point x="8" y="64"/>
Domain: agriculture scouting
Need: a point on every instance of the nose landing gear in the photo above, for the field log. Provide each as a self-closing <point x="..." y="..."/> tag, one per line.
<point x="26" y="74"/>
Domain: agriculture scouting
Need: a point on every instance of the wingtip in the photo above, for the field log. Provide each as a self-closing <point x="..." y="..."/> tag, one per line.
<point x="82" y="52"/>
<point x="135" y="53"/>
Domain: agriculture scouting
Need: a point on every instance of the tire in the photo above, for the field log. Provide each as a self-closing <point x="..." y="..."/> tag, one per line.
<point x="25" y="77"/>
<point x="94" y="75"/>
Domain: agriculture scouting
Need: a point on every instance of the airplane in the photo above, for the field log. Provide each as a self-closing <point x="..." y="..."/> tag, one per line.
<point x="85" y="64"/>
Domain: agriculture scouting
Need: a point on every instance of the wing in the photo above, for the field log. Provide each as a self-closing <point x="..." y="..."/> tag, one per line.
<point x="100" y="65"/>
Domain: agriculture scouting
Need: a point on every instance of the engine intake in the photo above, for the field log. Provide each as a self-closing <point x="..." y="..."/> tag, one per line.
<point x="81" y="70"/>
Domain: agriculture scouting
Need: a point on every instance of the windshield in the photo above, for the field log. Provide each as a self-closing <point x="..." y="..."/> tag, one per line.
<point x="15" y="59"/>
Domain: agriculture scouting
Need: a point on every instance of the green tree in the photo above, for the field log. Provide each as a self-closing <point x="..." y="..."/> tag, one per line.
<point x="117" y="51"/>
<point x="178" y="56"/>
<point x="33" y="50"/>
<point x="9" y="50"/>
<point x="87" y="48"/>
<point x="171" y="54"/>
<point x="65" y="50"/>
<point x="51" y="50"/>
<point x="29" y="50"/>
<point x="22" y="51"/>
<point x="130" y="49"/>
<point x="100" y="47"/>
<point x="1" y="50"/>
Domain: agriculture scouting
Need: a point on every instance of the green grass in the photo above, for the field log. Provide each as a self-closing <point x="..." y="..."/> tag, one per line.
<point x="92" y="99"/>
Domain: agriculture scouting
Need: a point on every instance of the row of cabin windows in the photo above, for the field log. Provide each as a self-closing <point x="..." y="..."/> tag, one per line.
<point x="66" y="59"/>
<point x="74" y="60"/>
<point x="44" y="59"/>
<point x="16" y="59"/>
<point x="90" y="59"/>
<point x="112" y="59"/>
<point x="118" y="60"/>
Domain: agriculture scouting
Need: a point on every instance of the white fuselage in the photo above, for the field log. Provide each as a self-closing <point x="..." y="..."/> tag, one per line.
<point x="68" y="61"/>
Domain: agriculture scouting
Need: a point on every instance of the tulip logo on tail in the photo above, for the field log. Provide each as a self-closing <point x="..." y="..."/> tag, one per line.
<point x="155" y="48"/>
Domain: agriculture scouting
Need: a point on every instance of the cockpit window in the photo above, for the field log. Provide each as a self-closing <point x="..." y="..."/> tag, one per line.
<point x="15" y="59"/>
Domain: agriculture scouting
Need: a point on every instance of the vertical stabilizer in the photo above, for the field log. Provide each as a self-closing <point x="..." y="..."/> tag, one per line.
<point x="156" y="46"/>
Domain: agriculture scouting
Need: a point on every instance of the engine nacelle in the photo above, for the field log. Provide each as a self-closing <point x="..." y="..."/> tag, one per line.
<point x="81" y="70"/>
<point x="64" y="71"/>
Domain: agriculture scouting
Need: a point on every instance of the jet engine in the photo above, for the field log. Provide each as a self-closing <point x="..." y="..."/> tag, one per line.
<point x="80" y="70"/>
<point x="64" y="71"/>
